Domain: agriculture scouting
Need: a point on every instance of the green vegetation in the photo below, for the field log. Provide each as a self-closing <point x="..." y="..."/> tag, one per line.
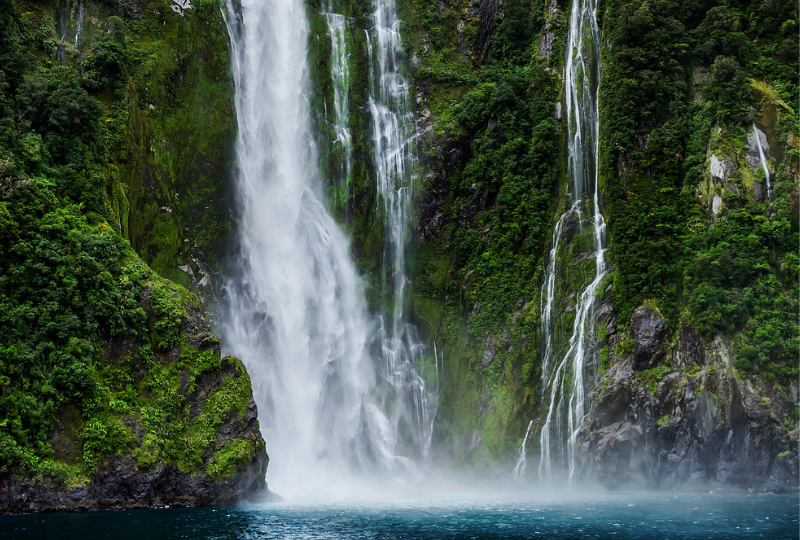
<point x="128" y="135"/>
<point x="651" y="377"/>
<point x="476" y="281"/>
<point x="93" y="360"/>
<point x="87" y="325"/>
<point x="681" y="82"/>
<point x="675" y="90"/>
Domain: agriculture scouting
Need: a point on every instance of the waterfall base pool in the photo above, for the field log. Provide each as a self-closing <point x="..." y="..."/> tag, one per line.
<point x="681" y="516"/>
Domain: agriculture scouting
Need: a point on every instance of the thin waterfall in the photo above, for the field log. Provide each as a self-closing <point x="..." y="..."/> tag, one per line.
<point x="63" y="28"/>
<point x="340" y="76"/>
<point x="522" y="459"/>
<point x="757" y="135"/>
<point x="563" y="375"/>
<point x="79" y="24"/>
<point x="392" y="134"/>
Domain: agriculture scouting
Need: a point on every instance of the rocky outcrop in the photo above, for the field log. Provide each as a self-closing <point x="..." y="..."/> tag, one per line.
<point x="120" y="484"/>
<point x="687" y="420"/>
<point x="649" y="331"/>
<point x="213" y="406"/>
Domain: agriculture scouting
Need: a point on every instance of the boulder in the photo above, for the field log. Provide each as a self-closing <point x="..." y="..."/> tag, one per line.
<point x="649" y="333"/>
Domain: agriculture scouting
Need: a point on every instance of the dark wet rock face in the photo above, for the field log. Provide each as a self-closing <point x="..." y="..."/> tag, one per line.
<point x="649" y="332"/>
<point x="120" y="485"/>
<point x="689" y="423"/>
<point x="570" y="228"/>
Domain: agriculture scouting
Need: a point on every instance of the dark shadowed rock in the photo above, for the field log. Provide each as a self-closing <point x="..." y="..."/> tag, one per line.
<point x="570" y="228"/>
<point x="696" y="427"/>
<point x="649" y="332"/>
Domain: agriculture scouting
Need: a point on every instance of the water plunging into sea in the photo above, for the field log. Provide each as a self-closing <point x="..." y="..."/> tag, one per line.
<point x="563" y="383"/>
<point x="294" y="311"/>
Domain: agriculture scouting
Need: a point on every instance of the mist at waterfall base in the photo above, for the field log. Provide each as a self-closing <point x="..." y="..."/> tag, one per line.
<point x="563" y="373"/>
<point x="482" y="515"/>
<point x="341" y="405"/>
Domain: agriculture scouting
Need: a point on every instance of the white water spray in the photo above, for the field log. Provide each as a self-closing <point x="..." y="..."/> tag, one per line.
<point x="392" y="129"/>
<point x="563" y="377"/>
<point x="294" y="308"/>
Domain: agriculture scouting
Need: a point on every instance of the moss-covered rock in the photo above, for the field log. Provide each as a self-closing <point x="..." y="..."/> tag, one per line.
<point x="111" y="386"/>
<point x="176" y="156"/>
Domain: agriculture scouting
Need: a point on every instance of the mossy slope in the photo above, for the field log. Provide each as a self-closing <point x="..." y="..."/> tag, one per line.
<point x="105" y="366"/>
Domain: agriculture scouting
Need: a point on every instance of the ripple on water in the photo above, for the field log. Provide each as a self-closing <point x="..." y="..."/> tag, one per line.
<point x="677" y="516"/>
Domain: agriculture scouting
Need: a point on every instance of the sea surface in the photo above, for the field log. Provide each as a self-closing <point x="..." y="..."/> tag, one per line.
<point x="680" y="516"/>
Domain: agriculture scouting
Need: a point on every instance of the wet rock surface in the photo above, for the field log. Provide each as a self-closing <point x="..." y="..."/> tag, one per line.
<point x="693" y="427"/>
<point x="649" y="332"/>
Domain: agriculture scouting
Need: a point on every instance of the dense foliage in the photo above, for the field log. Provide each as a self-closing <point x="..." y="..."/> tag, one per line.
<point x="683" y="81"/>
<point x="680" y="82"/>
<point x="93" y="359"/>
<point x="497" y="145"/>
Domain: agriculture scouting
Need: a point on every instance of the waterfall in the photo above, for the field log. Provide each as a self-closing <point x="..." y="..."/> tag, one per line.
<point x="757" y="136"/>
<point x="522" y="460"/>
<point x="63" y="18"/>
<point x="563" y="375"/>
<point x="295" y="312"/>
<point x="79" y="24"/>
<point x="63" y="28"/>
<point x="293" y="307"/>
<point x="340" y="75"/>
<point x="392" y="133"/>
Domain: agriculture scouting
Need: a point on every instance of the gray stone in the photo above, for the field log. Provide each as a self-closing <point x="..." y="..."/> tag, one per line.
<point x="722" y="169"/>
<point x="649" y="332"/>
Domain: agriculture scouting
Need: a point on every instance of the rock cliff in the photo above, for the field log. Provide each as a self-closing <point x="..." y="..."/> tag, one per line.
<point x="190" y="432"/>
<point x="676" y="413"/>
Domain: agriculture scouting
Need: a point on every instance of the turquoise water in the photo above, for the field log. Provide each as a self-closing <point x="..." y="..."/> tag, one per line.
<point x="617" y="516"/>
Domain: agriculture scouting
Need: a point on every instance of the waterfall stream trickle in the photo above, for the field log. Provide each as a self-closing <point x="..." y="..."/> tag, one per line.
<point x="522" y="458"/>
<point x="757" y="135"/>
<point x="294" y="308"/>
<point x="563" y="375"/>
<point x="340" y="76"/>
<point x="79" y="24"/>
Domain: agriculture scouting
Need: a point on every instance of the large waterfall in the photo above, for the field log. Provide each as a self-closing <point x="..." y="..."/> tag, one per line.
<point x="563" y="373"/>
<point x="294" y="311"/>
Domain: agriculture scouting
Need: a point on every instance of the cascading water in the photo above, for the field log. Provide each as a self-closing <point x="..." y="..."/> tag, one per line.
<point x="340" y="75"/>
<point x="79" y="24"/>
<point x="295" y="311"/>
<point x="757" y="135"/>
<point x="522" y="458"/>
<point x="392" y="133"/>
<point x="294" y="308"/>
<point x="563" y="376"/>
